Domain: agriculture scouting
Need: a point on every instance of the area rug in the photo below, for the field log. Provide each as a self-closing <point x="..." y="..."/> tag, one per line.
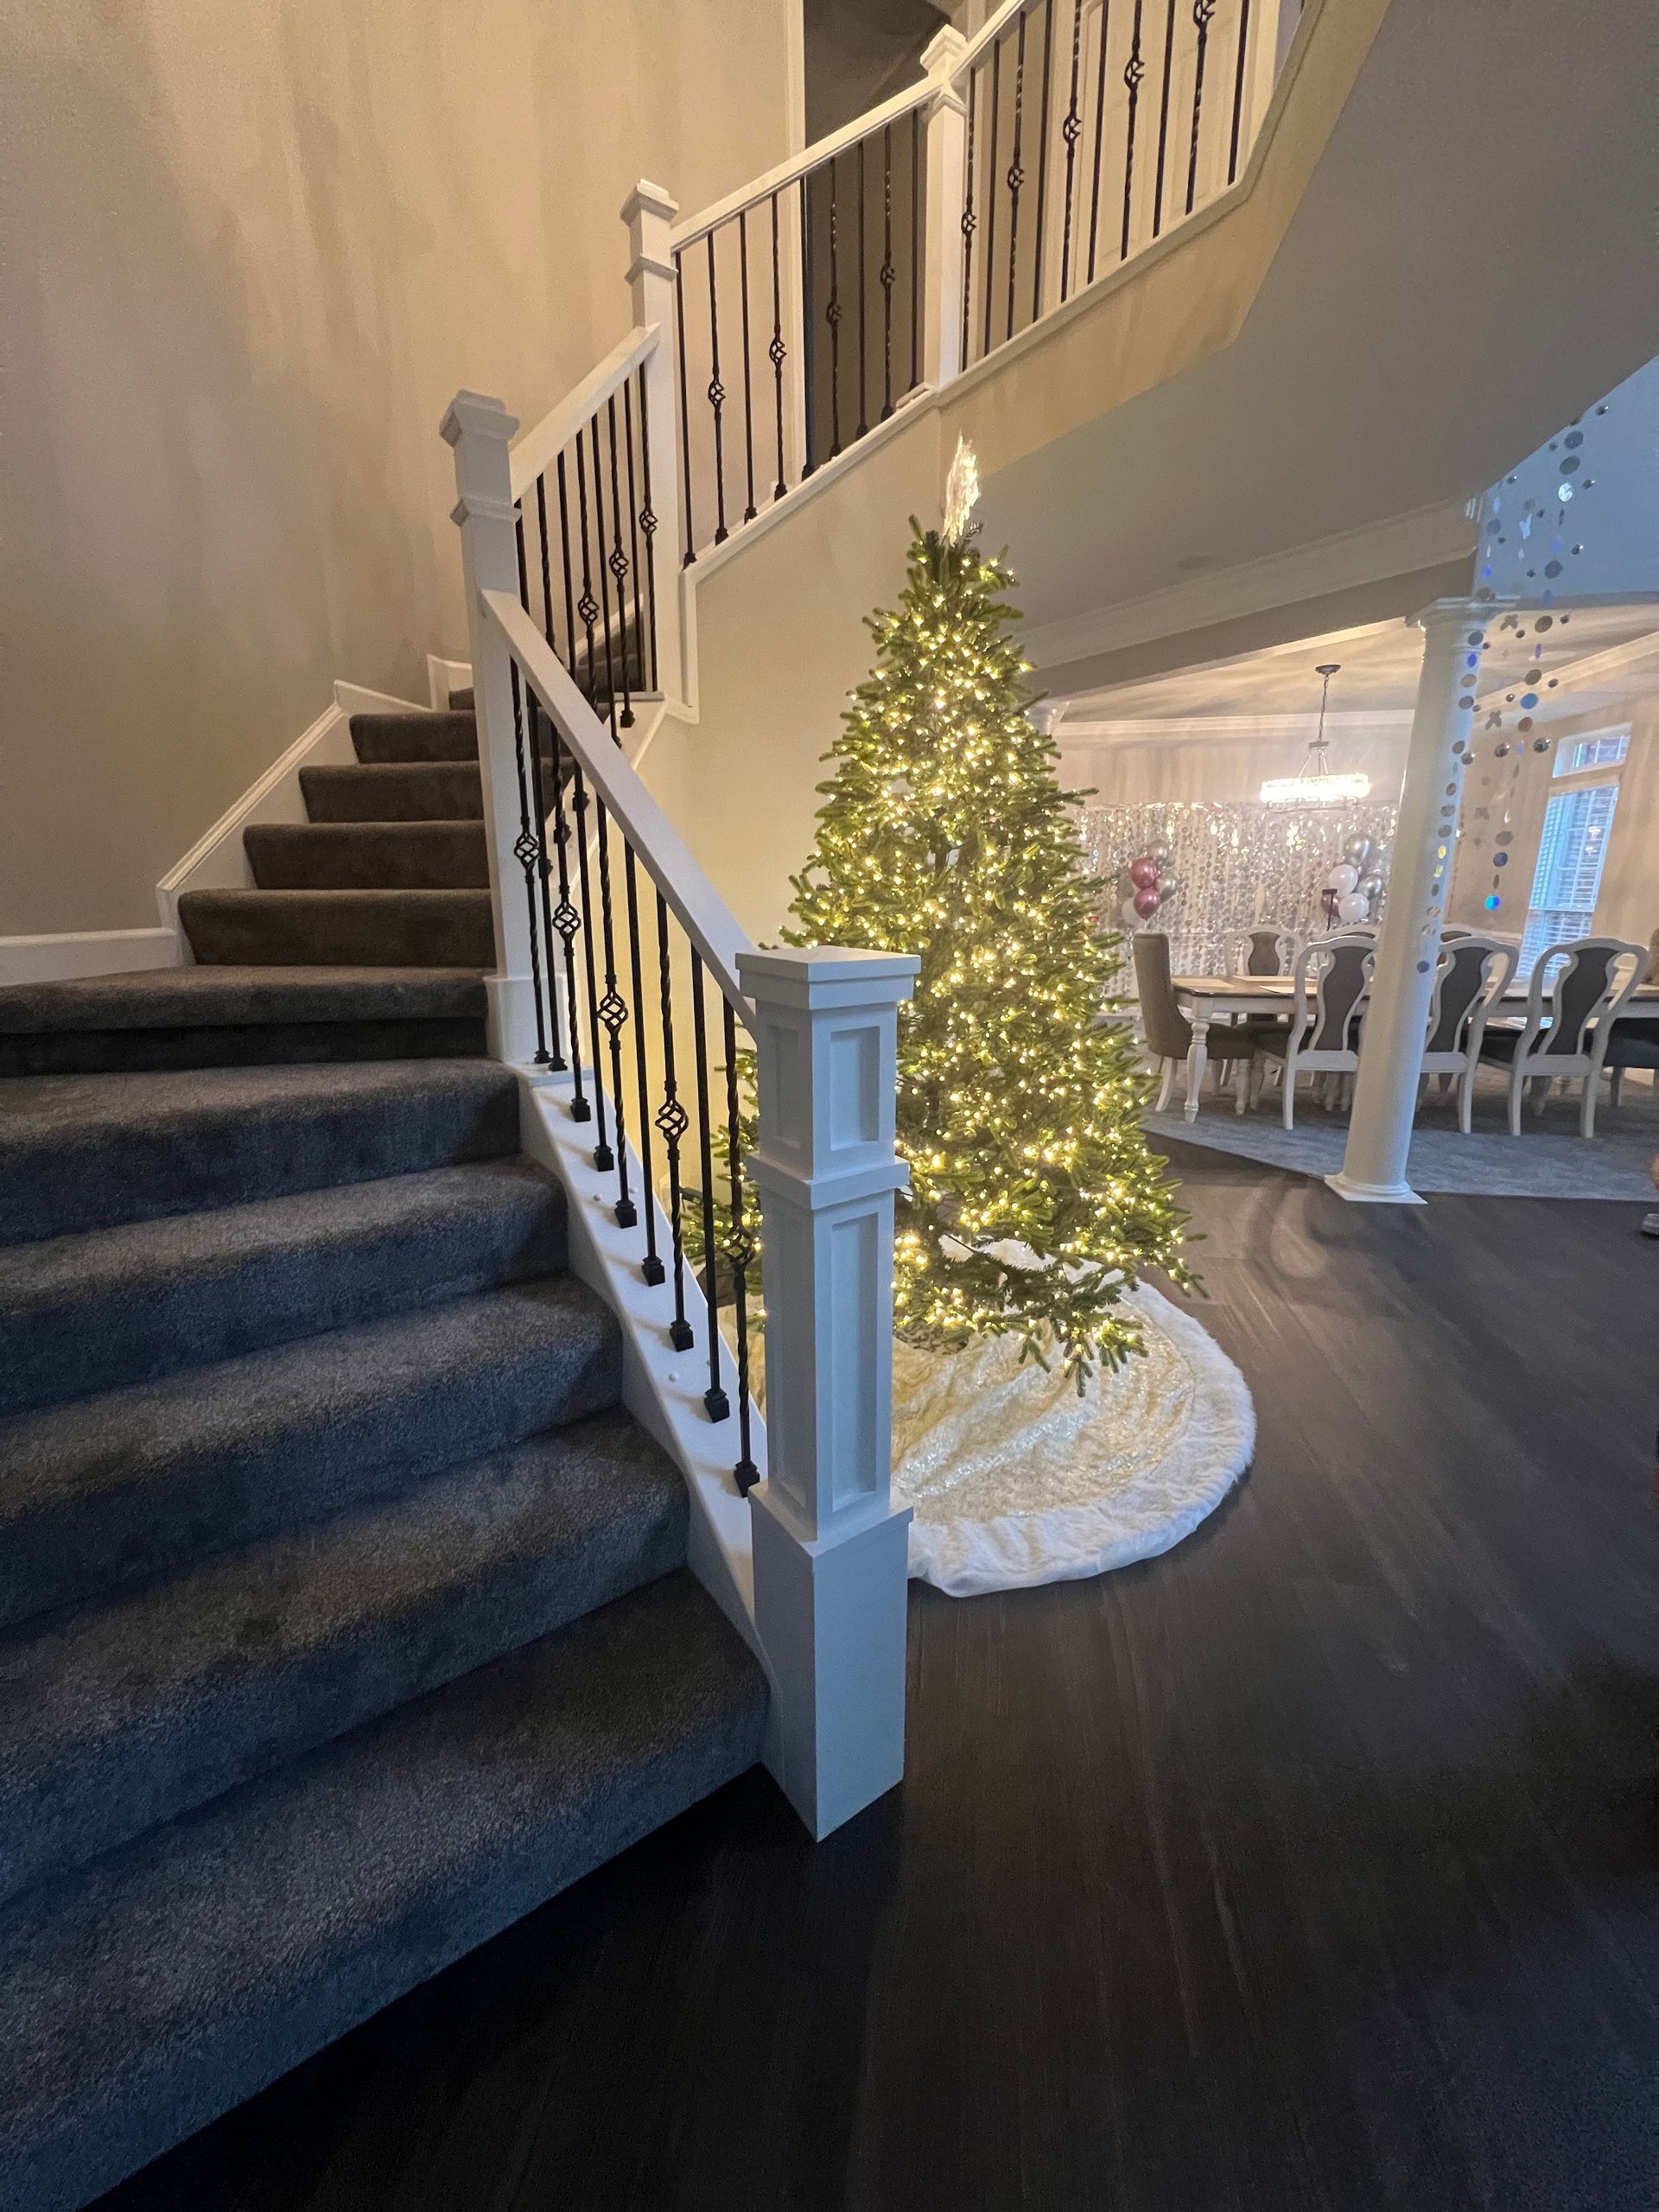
<point x="1016" y="1480"/>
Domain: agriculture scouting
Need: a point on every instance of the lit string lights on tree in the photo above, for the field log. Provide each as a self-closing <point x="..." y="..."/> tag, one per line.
<point x="944" y="833"/>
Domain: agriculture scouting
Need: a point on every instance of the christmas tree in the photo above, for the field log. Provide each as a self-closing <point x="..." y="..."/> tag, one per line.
<point x="1033" y="1201"/>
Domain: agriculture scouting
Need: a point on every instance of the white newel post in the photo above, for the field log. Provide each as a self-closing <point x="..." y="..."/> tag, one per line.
<point x="481" y="430"/>
<point x="830" y="1548"/>
<point x="1408" y="943"/>
<point x="649" y="214"/>
<point x="947" y="175"/>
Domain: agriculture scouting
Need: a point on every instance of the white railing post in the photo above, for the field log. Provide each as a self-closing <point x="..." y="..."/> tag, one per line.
<point x="481" y="430"/>
<point x="830" y="1548"/>
<point x="1395" y="1027"/>
<point x="947" y="175"/>
<point x="649" y="214"/>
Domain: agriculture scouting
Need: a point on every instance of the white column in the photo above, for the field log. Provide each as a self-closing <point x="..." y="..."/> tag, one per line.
<point x="947" y="171"/>
<point x="1408" y="944"/>
<point x="649" y="214"/>
<point x="481" y="430"/>
<point x="830" y="1549"/>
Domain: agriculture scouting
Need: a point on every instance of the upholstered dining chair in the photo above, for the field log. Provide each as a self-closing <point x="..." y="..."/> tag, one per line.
<point x="1569" y="1022"/>
<point x="1264" y="950"/>
<point x="1168" y="1032"/>
<point x="1322" y="1039"/>
<point x="1473" y="974"/>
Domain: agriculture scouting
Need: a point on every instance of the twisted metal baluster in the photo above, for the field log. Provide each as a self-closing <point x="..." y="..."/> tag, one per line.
<point x="689" y="555"/>
<point x="613" y="1014"/>
<point x="1016" y="172"/>
<point x="990" y="189"/>
<point x="650" y="1266"/>
<point x="777" y="353"/>
<point x="863" y="308"/>
<point x="740" y="1250"/>
<point x="1042" y="159"/>
<point x="1133" y="70"/>
<point x="564" y="549"/>
<point x="1071" y="131"/>
<point x="527" y="851"/>
<point x="1201" y="12"/>
<point x="587" y="606"/>
<point x="538" y="790"/>
<point x="717" y="401"/>
<point x="915" y="248"/>
<point x="1163" y="120"/>
<point x="604" y="1159"/>
<point x="749" y="396"/>
<point x="714" y="1398"/>
<point x="886" y="273"/>
<point x="832" y="315"/>
<point x="617" y="563"/>
<point x="1238" y="90"/>
<point x="1100" y="133"/>
<point x="672" y="1122"/>
<point x="969" y="219"/>
<point x="648" y="523"/>
<point x="809" y="374"/>
<point x="567" y="921"/>
<point x="637" y="650"/>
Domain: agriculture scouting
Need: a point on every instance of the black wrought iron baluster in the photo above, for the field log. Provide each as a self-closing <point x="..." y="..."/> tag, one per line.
<point x="915" y="248"/>
<point x="748" y="395"/>
<point x="1133" y="70"/>
<point x="863" y="308"/>
<point x="1042" y="161"/>
<point x="808" y="373"/>
<point x="689" y="554"/>
<point x="604" y="1159"/>
<point x="832" y="314"/>
<point x="538" y="792"/>
<point x="637" y="651"/>
<point x="1238" y="89"/>
<point x="1100" y="133"/>
<point x="567" y="922"/>
<point x="587" y="606"/>
<point x="717" y="401"/>
<point x="777" y="353"/>
<point x="650" y="1267"/>
<point x="564" y="548"/>
<point x="613" y="1014"/>
<point x="672" y="1122"/>
<point x="990" y="188"/>
<point x="886" y="273"/>
<point x="1201" y="12"/>
<point x="714" y="1398"/>
<point x="648" y="524"/>
<point x="740" y="1250"/>
<point x="617" y="561"/>
<point x="1163" y="120"/>
<point x="1071" y="131"/>
<point x="526" y="851"/>
<point x="969" y="219"/>
<point x="1016" y="172"/>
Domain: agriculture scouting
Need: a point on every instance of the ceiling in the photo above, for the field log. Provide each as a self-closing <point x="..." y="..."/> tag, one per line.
<point x="1596" y="654"/>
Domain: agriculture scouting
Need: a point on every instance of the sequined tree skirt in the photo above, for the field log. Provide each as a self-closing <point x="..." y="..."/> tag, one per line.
<point x="1015" y="1480"/>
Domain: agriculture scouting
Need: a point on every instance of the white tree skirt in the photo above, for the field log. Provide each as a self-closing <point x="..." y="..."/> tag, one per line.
<point x="1017" y="1480"/>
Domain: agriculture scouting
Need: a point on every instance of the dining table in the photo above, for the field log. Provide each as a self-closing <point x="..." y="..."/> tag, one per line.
<point x="1205" y="999"/>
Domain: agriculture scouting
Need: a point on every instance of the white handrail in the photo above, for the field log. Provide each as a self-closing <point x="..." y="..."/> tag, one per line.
<point x="667" y="859"/>
<point x="687" y="233"/>
<point x="538" y="448"/>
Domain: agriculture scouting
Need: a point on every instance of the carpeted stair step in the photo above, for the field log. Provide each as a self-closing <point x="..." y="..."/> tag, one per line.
<point x="180" y="1974"/>
<point x="438" y="736"/>
<point x="391" y="929"/>
<point x="410" y="791"/>
<point x="107" y="1489"/>
<point x="368" y="856"/>
<point x="462" y="702"/>
<point x="233" y="1016"/>
<point x="123" y="1713"/>
<point x="80" y="1314"/>
<point x="87" y="1152"/>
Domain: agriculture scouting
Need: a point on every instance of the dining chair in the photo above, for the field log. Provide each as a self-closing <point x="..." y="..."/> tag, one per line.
<point x="1634" y="1044"/>
<point x="1266" y="949"/>
<point x="1168" y="1032"/>
<point x="1569" y="1020"/>
<point x="1321" y="1038"/>
<point x="1474" y="973"/>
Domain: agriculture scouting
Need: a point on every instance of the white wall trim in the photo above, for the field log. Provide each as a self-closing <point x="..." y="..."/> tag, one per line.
<point x="84" y="952"/>
<point x="1176" y="726"/>
<point x="443" y="677"/>
<point x="1422" y="538"/>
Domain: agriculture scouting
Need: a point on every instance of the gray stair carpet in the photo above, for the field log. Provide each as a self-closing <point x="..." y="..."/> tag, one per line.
<point x="344" y="1610"/>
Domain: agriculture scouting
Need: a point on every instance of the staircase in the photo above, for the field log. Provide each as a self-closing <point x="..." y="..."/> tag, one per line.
<point x="344" y="1612"/>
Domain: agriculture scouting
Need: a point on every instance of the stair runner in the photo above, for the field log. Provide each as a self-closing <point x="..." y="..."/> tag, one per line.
<point x="344" y="1612"/>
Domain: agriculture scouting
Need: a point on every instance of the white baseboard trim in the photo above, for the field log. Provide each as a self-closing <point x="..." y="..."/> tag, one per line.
<point x="443" y="677"/>
<point x="84" y="952"/>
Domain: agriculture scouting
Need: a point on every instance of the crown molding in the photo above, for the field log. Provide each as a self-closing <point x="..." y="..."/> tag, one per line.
<point x="1165" y="728"/>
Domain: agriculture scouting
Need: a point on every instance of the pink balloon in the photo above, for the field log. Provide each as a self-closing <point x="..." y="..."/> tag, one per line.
<point x="1143" y="875"/>
<point x="1145" y="904"/>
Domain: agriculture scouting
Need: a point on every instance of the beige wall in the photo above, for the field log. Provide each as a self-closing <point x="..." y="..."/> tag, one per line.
<point x="250" y="251"/>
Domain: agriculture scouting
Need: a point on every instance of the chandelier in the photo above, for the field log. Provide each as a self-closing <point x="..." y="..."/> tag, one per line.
<point x="1316" y="785"/>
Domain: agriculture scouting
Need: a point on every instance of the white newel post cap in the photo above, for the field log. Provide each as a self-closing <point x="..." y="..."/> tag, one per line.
<point x="648" y="211"/>
<point x="475" y="413"/>
<point x="943" y="51"/>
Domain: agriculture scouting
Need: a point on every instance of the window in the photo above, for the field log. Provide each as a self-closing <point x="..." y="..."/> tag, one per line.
<point x="1571" y="853"/>
<point x="1607" y="749"/>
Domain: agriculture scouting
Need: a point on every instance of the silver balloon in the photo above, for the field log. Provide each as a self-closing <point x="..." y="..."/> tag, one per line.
<point x="1359" y="850"/>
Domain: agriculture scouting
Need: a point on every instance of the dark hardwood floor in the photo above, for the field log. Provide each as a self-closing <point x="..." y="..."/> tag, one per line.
<point x="1312" y="1866"/>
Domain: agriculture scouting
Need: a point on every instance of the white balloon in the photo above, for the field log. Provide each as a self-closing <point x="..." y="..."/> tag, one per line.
<point x="1351" y="907"/>
<point x="1343" y="877"/>
<point x="1130" y="919"/>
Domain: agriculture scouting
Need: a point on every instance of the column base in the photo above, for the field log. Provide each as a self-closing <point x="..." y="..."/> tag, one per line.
<point x="1374" y="1194"/>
